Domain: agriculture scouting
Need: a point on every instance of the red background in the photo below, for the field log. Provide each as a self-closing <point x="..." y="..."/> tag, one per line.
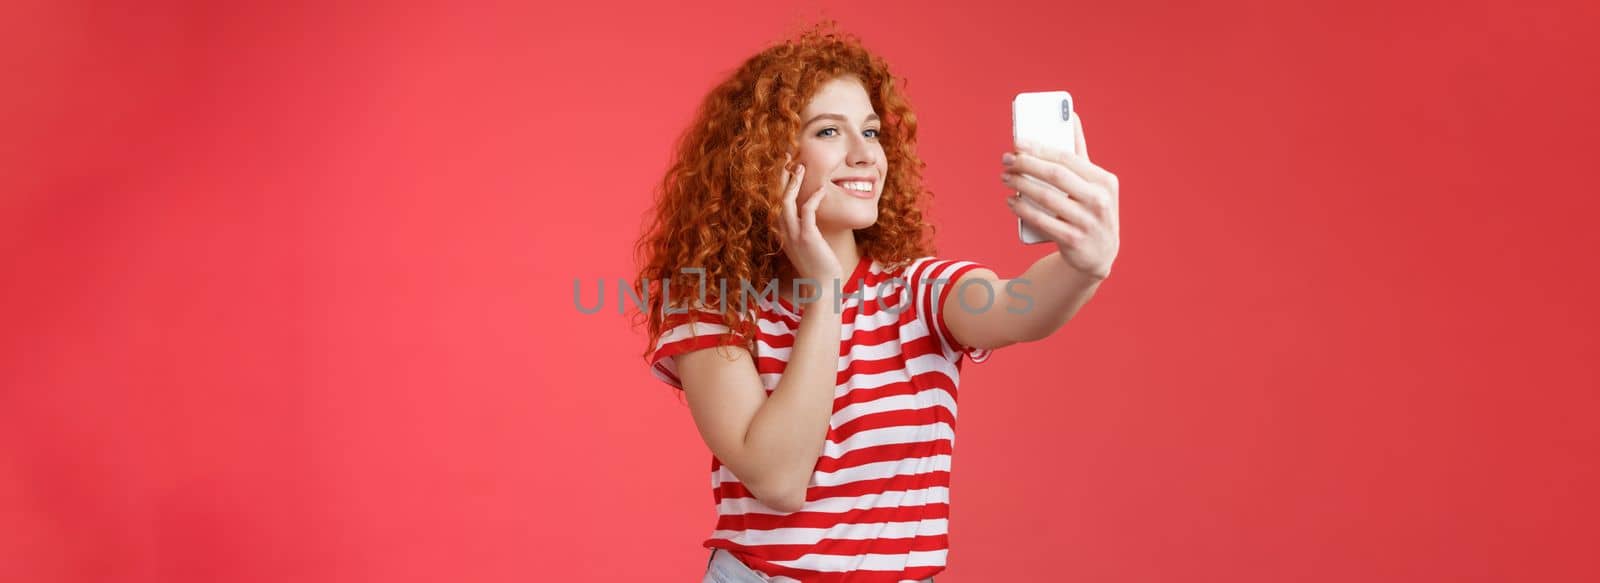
<point x="287" y="289"/>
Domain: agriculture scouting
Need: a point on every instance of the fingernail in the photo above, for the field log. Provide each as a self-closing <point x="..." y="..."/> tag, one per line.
<point x="1007" y="159"/>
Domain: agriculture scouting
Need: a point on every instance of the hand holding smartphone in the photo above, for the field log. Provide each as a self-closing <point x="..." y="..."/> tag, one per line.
<point x="1044" y="118"/>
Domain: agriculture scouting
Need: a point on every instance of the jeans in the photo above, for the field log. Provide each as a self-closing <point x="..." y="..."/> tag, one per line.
<point x="723" y="567"/>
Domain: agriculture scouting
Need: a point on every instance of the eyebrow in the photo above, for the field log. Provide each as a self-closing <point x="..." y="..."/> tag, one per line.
<point x="836" y="116"/>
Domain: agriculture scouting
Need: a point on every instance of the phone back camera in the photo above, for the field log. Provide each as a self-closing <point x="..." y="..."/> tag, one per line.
<point x="1066" y="110"/>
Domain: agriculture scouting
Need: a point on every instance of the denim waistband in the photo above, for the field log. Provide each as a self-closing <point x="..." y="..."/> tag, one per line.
<point x="723" y="567"/>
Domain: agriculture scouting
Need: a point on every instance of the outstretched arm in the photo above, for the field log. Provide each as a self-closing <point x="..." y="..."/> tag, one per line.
<point x="1027" y="308"/>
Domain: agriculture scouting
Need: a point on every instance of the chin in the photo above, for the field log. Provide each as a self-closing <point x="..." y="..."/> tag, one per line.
<point x="852" y="221"/>
<point x="858" y="215"/>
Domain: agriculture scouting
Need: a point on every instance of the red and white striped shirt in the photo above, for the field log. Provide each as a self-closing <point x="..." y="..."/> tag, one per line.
<point x="878" y="503"/>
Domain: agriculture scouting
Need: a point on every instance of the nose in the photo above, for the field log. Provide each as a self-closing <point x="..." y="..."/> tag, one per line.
<point x="861" y="152"/>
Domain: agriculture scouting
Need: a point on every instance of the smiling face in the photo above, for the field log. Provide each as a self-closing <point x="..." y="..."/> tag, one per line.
<point x="840" y="149"/>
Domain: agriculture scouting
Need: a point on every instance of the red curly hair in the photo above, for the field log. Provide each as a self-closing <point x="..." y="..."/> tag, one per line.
<point x="720" y="204"/>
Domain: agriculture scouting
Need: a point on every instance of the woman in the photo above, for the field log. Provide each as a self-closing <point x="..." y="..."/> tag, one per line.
<point x="794" y="299"/>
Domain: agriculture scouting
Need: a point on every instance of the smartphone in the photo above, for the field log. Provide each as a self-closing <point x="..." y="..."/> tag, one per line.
<point x="1044" y="117"/>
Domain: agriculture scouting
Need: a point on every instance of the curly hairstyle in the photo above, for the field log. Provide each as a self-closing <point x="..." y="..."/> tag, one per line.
<point x="719" y="206"/>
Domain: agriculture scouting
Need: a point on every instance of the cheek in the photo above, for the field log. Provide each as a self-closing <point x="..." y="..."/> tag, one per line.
<point x="816" y="171"/>
<point x="811" y="183"/>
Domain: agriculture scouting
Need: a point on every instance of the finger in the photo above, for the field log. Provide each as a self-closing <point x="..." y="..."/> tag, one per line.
<point x="809" y="216"/>
<point x="1077" y="132"/>
<point x="791" y="190"/>
<point x="795" y="179"/>
<point x="795" y="183"/>
<point x="1063" y="178"/>
<point x="1054" y="228"/>
<point x="1052" y="201"/>
<point x="1077" y="162"/>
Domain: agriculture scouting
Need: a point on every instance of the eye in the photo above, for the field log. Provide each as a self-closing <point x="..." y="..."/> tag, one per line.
<point x="824" y="132"/>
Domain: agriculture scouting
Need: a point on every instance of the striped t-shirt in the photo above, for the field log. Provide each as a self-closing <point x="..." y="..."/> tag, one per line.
<point x="878" y="502"/>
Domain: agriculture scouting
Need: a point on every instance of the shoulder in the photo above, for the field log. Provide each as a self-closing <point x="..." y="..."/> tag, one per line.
<point x="936" y="283"/>
<point x="685" y="331"/>
<point x="937" y="272"/>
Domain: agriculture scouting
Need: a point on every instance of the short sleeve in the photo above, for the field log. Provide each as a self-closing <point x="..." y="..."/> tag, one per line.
<point x="932" y="282"/>
<point x="687" y="332"/>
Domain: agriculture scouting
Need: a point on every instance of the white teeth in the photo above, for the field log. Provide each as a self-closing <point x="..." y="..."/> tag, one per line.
<point x="857" y="186"/>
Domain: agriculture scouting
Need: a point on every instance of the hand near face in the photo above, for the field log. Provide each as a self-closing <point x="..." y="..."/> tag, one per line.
<point x="802" y="241"/>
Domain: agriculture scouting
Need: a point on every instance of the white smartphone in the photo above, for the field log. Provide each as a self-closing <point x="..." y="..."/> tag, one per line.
<point x="1044" y="117"/>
